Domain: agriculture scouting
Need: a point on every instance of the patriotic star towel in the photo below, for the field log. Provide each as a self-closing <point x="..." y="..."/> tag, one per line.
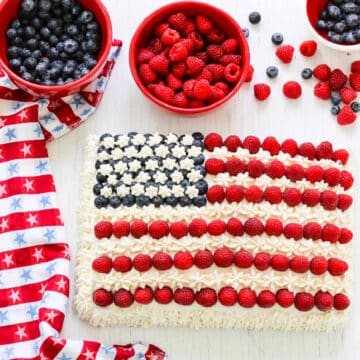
<point x="190" y="231"/>
<point x="34" y="252"/>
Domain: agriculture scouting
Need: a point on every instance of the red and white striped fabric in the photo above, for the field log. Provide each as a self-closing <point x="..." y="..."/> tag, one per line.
<point x="201" y="232"/>
<point x="34" y="252"/>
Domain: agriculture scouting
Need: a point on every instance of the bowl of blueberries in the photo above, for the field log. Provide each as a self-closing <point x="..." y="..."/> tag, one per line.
<point x="53" y="48"/>
<point x="335" y="23"/>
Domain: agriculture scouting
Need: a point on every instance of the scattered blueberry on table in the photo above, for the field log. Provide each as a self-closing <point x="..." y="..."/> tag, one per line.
<point x="53" y="42"/>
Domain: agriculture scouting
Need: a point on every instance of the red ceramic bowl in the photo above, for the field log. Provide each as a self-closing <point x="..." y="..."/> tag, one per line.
<point x="313" y="9"/>
<point x="8" y="12"/>
<point x="219" y="17"/>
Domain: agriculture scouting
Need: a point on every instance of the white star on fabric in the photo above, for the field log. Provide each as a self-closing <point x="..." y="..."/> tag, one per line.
<point x="153" y="357"/>
<point x="21" y="332"/>
<point x="32" y="219"/>
<point x="66" y="253"/>
<point x="2" y="190"/>
<point x="38" y="255"/>
<point x="89" y="355"/>
<point x="2" y="122"/>
<point x="26" y="150"/>
<point x="1" y="155"/>
<point x="29" y="185"/>
<point x="43" y="357"/>
<point x="61" y="284"/>
<point x="8" y="260"/>
<point x="23" y="115"/>
<point x="14" y="296"/>
<point x="43" y="288"/>
<point x="4" y="224"/>
<point x="58" y="341"/>
<point x="51" y="315"/>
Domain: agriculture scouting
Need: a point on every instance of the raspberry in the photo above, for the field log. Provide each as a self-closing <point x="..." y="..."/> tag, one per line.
<point x="142" y="262"/>
<point x="203" y="259"/>
<point x="232" y="73"/>
<point x="341" y="302"/>
<point x="292" y="196"/>
<point x="266" y="299"/>
<point x="162" y="261"/>
<point x="164" y="93"/>
<point x="304" y="301"/>
<point x="322" y="72"/>
<point x="144" y="56"/>
<point x="143" y="295"/>
<point x="293" y="231"/>
<point x="341" y="155"/>
<point x="183" y="260"/>
<point x="223" y="257"/>
<point x="194" y="65"/>
<point x="273" y="195"/>
<point x="230" y="46"/>
<point x="292" y="89"/>
<point x="295" y="172"/>
<point x="194" y="103"/>
<point x="163" y="295"/>
<point x="159" y="64"/>
<point x="197" y="39"/>
<point x="347" y="95"/>
<point x="276" y="169"/>
<point x="332" y="176"/>
<point x="231" y="59"/>
<point x="262" y="91"/>
<point x="308" y="48"/>
<point x="285" y="53"/>
<point x="337" y="267"/>
<point x="215" y="36"/>
<point x="197" y="227"/>
<point x="206" y="297"/>
<point x="179" y="69"/>
<point x="203" y="24"/>
<point x="285" y="298"/>
<point x="102" y="297"/>
<point x="170" y="37"/>
<point x="279" y="262"/>
<point x="184" y="296"/>
<point x="314" y="173"/>
<point x="103" y="229"/>
<point x="346" y="116"/>
<point x="329" y="200"/>
<point x="215" y="166"/>
<point x="123" y="298"/>
<point x="122" y="264"/>
<point x="212" y="141"/>
<point x="173" y="82"/>
<point x="254" y="194"/>
<point x="138" y="228"/>
<point x="249" y="74"/>
<point x="121" y="228"/>
<point x="216" y="227"/>
<point x="216" y="94"/>
<point x="188" y="87"/>
<point x="243" y="259"/>
<point x="227" y="296"/>
<point x="235" y="227"/>
<point x="271" y="145"/>
<point x="178" y="21"/>
<point x="354" y="80"/>
<point x="324" y="301"/>
<point x="206" y="75"/>
<point x="190" y="27"/>
<point x="273" y="227"/>
<point x="344" y="202"/>
<point x="247" y="298"/>
<point x="307" y="150"/>
<point x="318" y="265"/>
<point x="355" y="66"/>
<point x="252" y="143"/>
<point x="234" y="193"/>
<point x="217" y="72"/>
<point x="255" y="168"/>
<point x="178" y="229"/>
<point x="346" y="180"/>
<point x="159" y="229"/>
<point x="102" y="264"/>
<point x="324" y="150"/>
<point x="311" y="197"/>
<point x="234" y="166"/>
<point x="289" y="146"/>
<point x="147" y="75"/>
<point x="160" y="29"/>
<point x="180" y="100"/>
<point x="337" y="79"/>
<point x="223" y="86"/>
<point x="253" y="227"/>
<point x="202" y="90"/>
<point x="299" y="264"/>
<point x="215" y="53"/>
<point x="232" y="143"/>
<point x="312" y="230"/>
<point x="216" y="194"/>
<point x="262" y="261"/>
<point x="345" y="236"/>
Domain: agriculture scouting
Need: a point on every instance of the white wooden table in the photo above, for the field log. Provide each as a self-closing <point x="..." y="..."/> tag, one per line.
<point x="124" y="109"/>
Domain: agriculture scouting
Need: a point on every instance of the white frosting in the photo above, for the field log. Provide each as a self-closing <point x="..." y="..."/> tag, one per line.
<point x="151" y="165"/>
<point x="151" y="191"/>
<point x="137" y="189"/>
<point x="127" y="179"/>
<point x="122" y="141"/>
<point x="171" y="139"/>
<point x="164" y="191"/>
<point x="108" y="142"/>
<point x="120" y="167"/>
<point x="169" y="164"/>
<point x="194" y="151"/>
<point x="187" y="164"/>
<point x="160" y="177"/>
<point x="139" y="139"/>
<point x="177" y="177"/>
<point x="192" y="191"/>
<point x="178" y="151"/>
<point x="142" y="177"/>
<point x="178" y="190"/>
<point x="145" y="152"/>
<point x="106" y="191"/>
<point x="134" y="165"/>
<point x="155" y="139"/>
<point x="187" y="140"/>
<point x="117" y="154"/>
<point x="194" y="175"/>
<point x="122" y="190"/>
<point x="162" y="151"/>
<point x="105" y="169"/>
<point x="112" y="179"/>
<point x="131" y="152"/>
<point x="103" y="155"/>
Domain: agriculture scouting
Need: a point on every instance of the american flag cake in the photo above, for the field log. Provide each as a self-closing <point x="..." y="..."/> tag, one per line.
<point x="202" y="231"/>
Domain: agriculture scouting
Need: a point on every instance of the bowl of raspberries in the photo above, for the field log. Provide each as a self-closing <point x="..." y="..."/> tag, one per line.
<point x="335" y="23"/>
<point x="53" y="48"/>
<point x="189" y="57"/>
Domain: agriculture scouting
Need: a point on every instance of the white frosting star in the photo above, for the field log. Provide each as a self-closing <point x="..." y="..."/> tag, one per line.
<point x="151" y="165"/>
<point x="154" y="140"/>
<point x="131" y="152"/>
<point x="103" y="156"/>
<point x="134" y="165"/>
<point x="164" y="191"/>
<point x="187" y="164"/>
<point x="121" y="167"/>
<point x="177" y="177"/>
<point x="122" y="140"/>
<point x="106" y="191"/>
<point x="178" y="190"/>
<point x="192" y="191"/>
<point x="169" y="164"/>
<point x="108" y="142"/>
<point x="105" y="169"/>
<point x="178" y="151"/>
<point x="139" y="139"/>
<point x="112" y="179"/>
<point x="137" y="189"/>
<point x="145" y="152"/>
<point x="151" y="191"/>
<point x="143" y="177"/>
<point x="171" y="139"/>
<point x="160" y="177"/>
<point x="194" y="151"/>
<point x="194" y="175"/>
<point x="162" y="151"/>
<point x="117" y="153"/>
<point x="122" y="190"/>
<point x="127" y="179"/>
<point x="187" y="140"/>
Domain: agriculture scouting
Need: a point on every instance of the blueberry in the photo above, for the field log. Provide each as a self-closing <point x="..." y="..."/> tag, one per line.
<point x="79" y="37"/>
<point x="43" y="15"/>
<point x="96" y="189"/>
<point x="115" y="202"/>
<point x="254" y="17"/>
<point x="90" y="46"/>
<point x="93" y="26"/>
<point x="101" y="178"/>
<point x="72" y="30"/>
<point x="86" y="17"/>
<point x="53" y="40"/>
<point x="30" y="63"/>
<point x="101" y="202"/>
<point x="71" y="46"/>
<point x="13" y="52"/>
<point x="321" y="25"/>
<point x="32" y="44"/>
<point x="27" y="76"/>
<point x="246" y="32"/>
<point x="198" y="143"/>
<point x="45" y="33"/>
<point x="57" y="12"/>
<point x="15" y="64"/>
<point x="277" y="38"/>
<point x="306" y="73"/>
<point x="17" y="41"/>
<point x="92" y="36"/>
<point x="11" y="33"/>
<point x="198" y="160"/>
<point x="157" y="201"/>
<point x="28" y="5"/>
<point x="53" y="53"/>
<point x="142" y="200"/>
<point x="68" y="69"/>
<point x="350" y="8"/>
<point x="335" y="98"/>
<point x="336" y="38"/>
<point x="340" y="27"/>
<point x="272" y="72"/>
<point x="199" y="201"/>
<point x="202" y="186"/>
<point x="29" y="32"/>
<point x="44" y="46"/>
<point x="44" y="5"/>
<point x="15" y="24"/>
<point x="201" y="169"/>
<point x="69" y="80"/>
<point x="60" y="46"/>
<point x="76" y="10"/>
<point x="352" y="20"/>
<point x="333" y="12"/>
<point x="355" y="106"/>
<point x="198" y="136"/>
<point x="24" y="53"/>
<point x="349" y="38"/>
<point x="171" y="200"/>
<point x="67" y="4"/>
<point x="90" y="62"/>
<point x="330" y="25"/>
<point x="335" y="109"/>
<point x="184" y="201"/>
